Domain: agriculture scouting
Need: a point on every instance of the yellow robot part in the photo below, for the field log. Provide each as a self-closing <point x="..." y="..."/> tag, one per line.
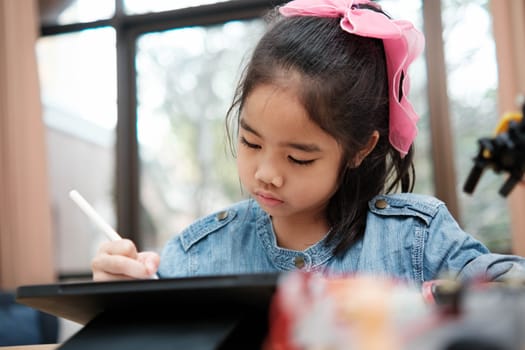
<point x="505" y="120"/>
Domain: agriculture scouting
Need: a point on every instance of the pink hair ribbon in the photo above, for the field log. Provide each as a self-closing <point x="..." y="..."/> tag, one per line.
<point x="402" y="43"/>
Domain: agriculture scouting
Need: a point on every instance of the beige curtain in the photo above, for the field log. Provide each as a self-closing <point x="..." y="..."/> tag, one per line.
<point x="26" y="244"/>
<point x="509" y="33"/>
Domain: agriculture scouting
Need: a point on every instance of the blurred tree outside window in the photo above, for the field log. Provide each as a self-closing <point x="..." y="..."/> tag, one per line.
<point x="185" y="83"/>
<point x="472" y="89"/>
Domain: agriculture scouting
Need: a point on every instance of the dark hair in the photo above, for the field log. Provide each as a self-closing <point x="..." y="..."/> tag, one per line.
<point x="343" y="86"/>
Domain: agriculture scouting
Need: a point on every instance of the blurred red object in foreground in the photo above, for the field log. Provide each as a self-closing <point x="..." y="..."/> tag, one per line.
<point x="314" y="311"/>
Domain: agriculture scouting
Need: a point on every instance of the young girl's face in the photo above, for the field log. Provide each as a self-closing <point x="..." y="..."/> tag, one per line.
<point x="286" y="162"/>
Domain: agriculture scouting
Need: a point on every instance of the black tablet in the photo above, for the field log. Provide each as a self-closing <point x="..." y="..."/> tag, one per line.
<point x="81" y="302"/>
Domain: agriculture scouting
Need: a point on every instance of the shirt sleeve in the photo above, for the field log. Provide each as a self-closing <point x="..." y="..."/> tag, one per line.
<point x="494" y="267"/>
<point x="453" y="253"/>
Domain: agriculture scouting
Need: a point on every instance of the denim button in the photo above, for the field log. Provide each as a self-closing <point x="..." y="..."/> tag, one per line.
<point x="381" y="204"/>
<point x="299" y="262"/>
<point x="222" y="215"/>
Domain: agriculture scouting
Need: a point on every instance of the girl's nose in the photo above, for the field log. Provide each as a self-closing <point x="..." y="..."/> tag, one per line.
<point x="269" y="175"/>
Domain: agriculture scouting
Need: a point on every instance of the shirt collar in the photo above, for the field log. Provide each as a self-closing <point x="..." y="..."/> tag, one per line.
<point x="311" y="258"/>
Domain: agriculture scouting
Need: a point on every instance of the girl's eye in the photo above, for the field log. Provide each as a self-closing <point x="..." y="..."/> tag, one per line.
<point x="301" y="162"/>
<point x="249" y="144"/>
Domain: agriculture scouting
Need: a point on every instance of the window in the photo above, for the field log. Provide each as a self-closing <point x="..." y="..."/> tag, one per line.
<point x="473" y="81"/>
<point x="164" y="163"/>
<point x="79" y="95"/>
<point x="185" y="83"/>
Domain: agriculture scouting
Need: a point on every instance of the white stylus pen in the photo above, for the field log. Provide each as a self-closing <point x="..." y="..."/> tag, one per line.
<point x="96" y="218"/>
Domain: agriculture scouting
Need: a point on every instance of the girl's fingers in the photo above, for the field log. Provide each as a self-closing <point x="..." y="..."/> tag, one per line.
<point x="119" y="260"/>
<point x="150" y="260"/>
<point x="118" y="266"/>
<point x="123" y="247"/>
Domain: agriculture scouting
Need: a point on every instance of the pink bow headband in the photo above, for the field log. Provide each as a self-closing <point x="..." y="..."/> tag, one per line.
<point x="402" y="43"/>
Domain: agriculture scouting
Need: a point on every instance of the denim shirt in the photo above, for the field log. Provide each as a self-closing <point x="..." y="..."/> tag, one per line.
<point x="408" y="236"/>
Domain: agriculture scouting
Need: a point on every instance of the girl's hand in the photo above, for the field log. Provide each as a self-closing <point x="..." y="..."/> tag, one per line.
<point x="120" y="260"/>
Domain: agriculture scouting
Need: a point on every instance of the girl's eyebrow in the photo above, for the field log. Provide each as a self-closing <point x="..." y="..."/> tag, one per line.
<point x="305" y="147"/>
<point x="248" y="128"/>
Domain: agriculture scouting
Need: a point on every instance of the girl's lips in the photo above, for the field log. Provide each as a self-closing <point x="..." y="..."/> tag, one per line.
<point x="267" y="199"/>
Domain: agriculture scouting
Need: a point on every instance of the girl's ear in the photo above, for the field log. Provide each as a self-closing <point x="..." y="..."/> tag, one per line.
<point x="365" y="151"/>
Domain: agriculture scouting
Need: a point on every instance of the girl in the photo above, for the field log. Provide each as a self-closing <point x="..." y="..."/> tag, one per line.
<point x="324" y="134"/>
